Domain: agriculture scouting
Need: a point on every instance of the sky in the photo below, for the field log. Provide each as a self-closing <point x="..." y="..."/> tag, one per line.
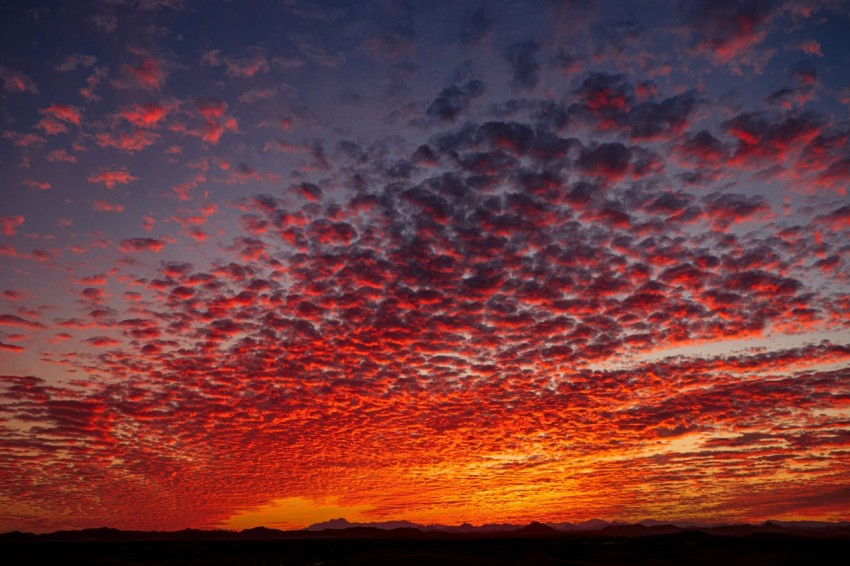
<point x="271" y="263"/>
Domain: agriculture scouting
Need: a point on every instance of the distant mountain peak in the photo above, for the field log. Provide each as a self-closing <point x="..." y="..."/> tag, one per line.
<point x="593" y="524"/>
<point x="340" y="523"/>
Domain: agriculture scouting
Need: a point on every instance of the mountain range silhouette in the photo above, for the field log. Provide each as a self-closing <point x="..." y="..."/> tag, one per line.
<point x="343" y="528"/>
<point x="339" y="541"/>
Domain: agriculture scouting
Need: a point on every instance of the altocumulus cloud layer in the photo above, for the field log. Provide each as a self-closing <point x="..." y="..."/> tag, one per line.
<point x="453" y="262"/>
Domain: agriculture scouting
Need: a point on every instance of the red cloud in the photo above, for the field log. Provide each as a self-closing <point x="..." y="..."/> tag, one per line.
<point x="101" y="341"/>
<point x="38" y="185"/>
<point x="726" y="209"/>
<point x="730" y="30"/>
<point x="56" y="118"/>
<point x="609" y="161"/>
<point x="215" y="120"/>
<point x="92" y="82"/>
<point x="9" y="224"/>
<point x="146" y="115"/>
<point x="60" y="156"/>
<point x="12" y="294"/>
<point x="837" y="220"/>
<point x="310" y="191"/>
<point x="63" y="112"/>
<point x="246" y="67"/>
<point x="211" y="108"/>
<point x="148" y="223"/>
<point x="149" y="73"/>
<point x="196" y="218"/>
<point x="811" y="47"/>
<point x="133" y="245"/>
<point x="24" y="140"/>
<point x="237" y="67"/>
<point x="9" y="251"/>
<point x="105" y="206"/>
<point x="44" y="255"/>
<point x="78" y="60"/>
<point x="110" y="178"/>
<point x="135" y="140"/>
<point x="15" y="81"/>
<point x="835" y="177"/>
<point x="14" y="320"/>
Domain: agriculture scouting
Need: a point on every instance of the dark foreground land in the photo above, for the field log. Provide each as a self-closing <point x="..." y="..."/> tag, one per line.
<point x="688" y="547"/>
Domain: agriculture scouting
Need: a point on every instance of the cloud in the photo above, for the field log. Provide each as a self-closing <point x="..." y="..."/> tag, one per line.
<point x="14" y="320"/>
<point x="56" y="117"/>
<point x="145" y="115"/>
<point x="92" y="82"/>
<point x="216" y="120"/>
<point x="106" y="23"/>
<point x="149" y="72"/>
<point x="24" y="140"/>
<point x="158" y="4"/>
<point x="811" y="47"/>
<point x="837" y="219"/>
<point x="73" y="62"/>
<point x="37" y="185"/>
<point x="608" y="161"/>
<point x="726" y="209"/>
<point x="316" y="53"/>
<point x="134" y="245"/>
<point x="762" y="134"/>
<point x="132" y="141"/>
<point x="11" y="223"/>
<point x="102" y="341"/>
<point x="105" y="206"/>
<point x="61" y="156"/>
<point x="476" y="27"/>
<point x="245" y="67"/>
<point x="253" y="95"/>
<point x="112" y="177"/>
<point x="703" y="148"/>
<point x="664" y="119"/>
<point x="522" y="58"/>
<point x="310" y="191"/>
<point x="727" y="30"/>
<point x="455" y="99"/>
<point x="16" y="82"/>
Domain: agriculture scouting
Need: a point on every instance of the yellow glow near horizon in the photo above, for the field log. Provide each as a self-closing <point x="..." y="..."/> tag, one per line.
<point x="293" y="513"/>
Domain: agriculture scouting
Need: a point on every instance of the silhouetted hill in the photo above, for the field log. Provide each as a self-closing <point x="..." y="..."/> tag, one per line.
<point x="536" y="543"/>
<point x="592" y="525"/>
<point x="535" y="529"/>
<point x="261" y="533"/>
<point x="341" y="528"/>
<point x="467" y="528"/>
<point x="639" y="530"/>
<point x="342" y="523"/>
<point x="18" y="536"/>
<point x="806" y="526"/>
<point x="405" y="533"/>
<point x="361" y="532"/>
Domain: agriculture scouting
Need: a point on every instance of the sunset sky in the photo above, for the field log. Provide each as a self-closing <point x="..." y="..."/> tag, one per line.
<point x="274" y="262"/>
